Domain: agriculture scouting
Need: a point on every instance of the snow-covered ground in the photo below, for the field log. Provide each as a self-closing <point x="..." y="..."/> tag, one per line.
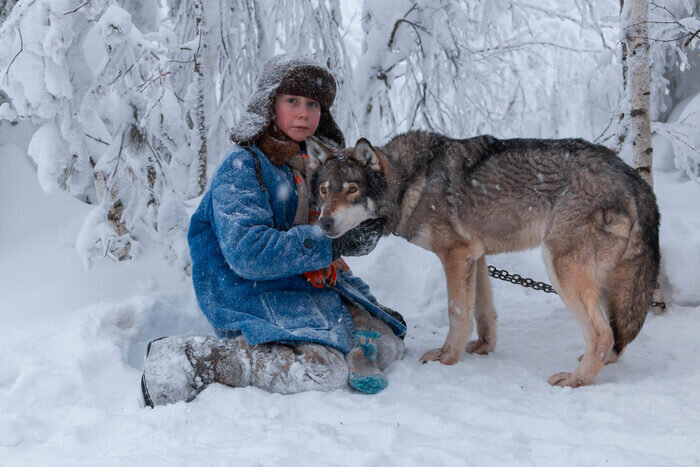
<point x="72" y="344"/>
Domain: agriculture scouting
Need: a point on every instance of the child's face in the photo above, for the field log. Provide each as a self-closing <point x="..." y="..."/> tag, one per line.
<point x="297" y="116"/>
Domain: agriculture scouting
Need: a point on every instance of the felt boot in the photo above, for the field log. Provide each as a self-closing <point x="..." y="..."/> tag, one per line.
<point x="177" y="368"/>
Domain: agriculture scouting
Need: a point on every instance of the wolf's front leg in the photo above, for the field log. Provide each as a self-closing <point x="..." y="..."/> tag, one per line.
<point x="460" y="270"/>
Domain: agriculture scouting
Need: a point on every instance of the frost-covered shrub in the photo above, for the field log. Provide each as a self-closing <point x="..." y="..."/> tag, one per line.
<point x="108" y="124"/>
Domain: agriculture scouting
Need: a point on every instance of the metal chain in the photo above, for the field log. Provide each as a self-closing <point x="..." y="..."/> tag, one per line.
<point x="504" y="275"/>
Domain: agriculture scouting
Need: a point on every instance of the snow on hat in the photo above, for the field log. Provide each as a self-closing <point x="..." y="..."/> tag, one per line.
<point x="288" y="74"/>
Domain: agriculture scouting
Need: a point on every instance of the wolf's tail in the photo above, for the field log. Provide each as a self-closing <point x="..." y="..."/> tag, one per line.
<point x="634" y="278"/>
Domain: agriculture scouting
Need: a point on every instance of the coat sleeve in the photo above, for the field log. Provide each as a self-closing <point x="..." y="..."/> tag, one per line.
<point x="360" y="285"/>
<point x="243" y="224"/>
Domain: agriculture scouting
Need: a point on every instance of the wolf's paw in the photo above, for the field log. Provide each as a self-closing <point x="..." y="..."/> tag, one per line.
<point x="431" y="356"/>
<point x="446" y="356"/>
<point x="565" y="379"/>
<point x="480" y="347"/>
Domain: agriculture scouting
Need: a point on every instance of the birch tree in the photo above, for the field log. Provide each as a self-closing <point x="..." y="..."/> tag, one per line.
<point x="635" y="52"/>
<point x="635" y="14"/>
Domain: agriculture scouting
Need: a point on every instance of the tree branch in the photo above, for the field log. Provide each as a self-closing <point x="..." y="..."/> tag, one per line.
<point x="695" y="34"/>
<point x="21" y="48"/>
<point x="79" y="7"/>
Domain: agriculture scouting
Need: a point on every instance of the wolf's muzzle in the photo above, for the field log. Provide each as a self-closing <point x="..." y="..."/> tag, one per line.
<point x="326" y="224"/>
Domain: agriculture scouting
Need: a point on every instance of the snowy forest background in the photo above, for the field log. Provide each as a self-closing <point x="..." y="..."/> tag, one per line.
<point x="115" y="113"/>
<point x="126" y="104"/>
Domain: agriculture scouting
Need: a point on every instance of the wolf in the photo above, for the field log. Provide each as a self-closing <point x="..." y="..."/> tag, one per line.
<point x="596" y="220"/>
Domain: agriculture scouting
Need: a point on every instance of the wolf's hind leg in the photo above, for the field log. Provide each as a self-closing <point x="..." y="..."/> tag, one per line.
<point x="460" y="270"/>
<point x="484" y="312"/>
<point x="578" y="289"/>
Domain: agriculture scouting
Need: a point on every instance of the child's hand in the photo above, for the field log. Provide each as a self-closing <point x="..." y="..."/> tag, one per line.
<point x="326" y="276"/>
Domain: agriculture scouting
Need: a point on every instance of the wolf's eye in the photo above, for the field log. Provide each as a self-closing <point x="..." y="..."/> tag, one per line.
<point x="323" y="190"/>
<point x="352" y="189"/>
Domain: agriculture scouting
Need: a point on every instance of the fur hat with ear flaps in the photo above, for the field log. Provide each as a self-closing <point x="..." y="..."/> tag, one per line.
<point x="288" y="74"/>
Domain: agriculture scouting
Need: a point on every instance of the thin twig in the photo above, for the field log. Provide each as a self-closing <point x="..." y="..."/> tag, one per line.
<point x="195" y="53"/>
<point x="396" y="27"/>
<point x="96" y="139"/>
<point x="21" y="48"/>
<point x="79" y="7"/>
<point x="661" y="40"/>
<point x="606" y="129"/>
<point x="110" y="183"/>
<point x="143" y="86"/>
<point x="667" y="11"/>
<point x="153" y="106"/>
<point x="654" y="22"/>
<point x="695" y="34"/>
<point x="403" y="20"/>
<point x="199" y="45"/>
<point x="540" y="43"/>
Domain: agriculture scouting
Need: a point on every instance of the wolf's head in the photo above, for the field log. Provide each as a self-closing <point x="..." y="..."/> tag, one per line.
<point x="347" y="183"/>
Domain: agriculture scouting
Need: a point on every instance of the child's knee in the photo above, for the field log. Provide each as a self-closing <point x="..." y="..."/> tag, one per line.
<point x="390" y="349"/>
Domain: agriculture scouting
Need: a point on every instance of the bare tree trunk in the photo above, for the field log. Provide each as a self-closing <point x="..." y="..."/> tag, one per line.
<point x="635" y="17"/>
<point x="200" y="62"/>
<point x="119" y="247"/>
<point x="635" y="47"/>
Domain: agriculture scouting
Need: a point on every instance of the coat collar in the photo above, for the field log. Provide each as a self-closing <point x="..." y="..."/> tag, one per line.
<point x="277" y="146"/>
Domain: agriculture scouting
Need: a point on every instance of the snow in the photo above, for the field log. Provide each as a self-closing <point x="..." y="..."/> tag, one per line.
<point x="115" y="26"/>
<point x="73" y="342"/>
<point x="682" y="133"/>
<point x="45" y="148"/>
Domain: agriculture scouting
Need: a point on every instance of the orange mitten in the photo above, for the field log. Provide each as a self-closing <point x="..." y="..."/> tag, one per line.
<point x="326" y="276"/>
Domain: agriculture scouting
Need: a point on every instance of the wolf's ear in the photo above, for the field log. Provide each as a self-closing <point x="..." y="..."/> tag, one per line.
<point x="318" y="152"/>
<point x="365" y="153"/>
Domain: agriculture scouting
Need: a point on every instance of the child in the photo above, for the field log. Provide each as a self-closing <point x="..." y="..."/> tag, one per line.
<point x="288" y="314"/>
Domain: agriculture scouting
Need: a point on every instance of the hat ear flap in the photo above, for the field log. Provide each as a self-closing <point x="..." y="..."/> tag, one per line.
<point x="318" y="152"/>
<point x="365" y="153"/>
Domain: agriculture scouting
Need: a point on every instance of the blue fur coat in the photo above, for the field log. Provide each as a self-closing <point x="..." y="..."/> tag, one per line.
<point x="248" y="260"/>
